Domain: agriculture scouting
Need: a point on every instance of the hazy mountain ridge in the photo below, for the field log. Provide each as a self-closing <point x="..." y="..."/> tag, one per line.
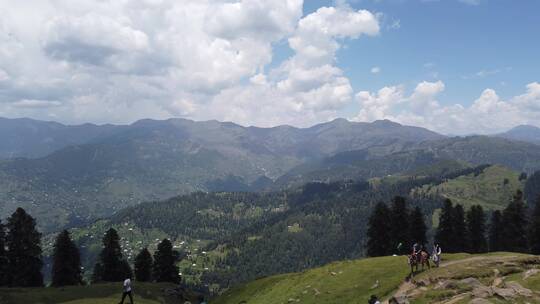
<point x="30" y="138"/>
<point x="110" y="167"/>
<point x="526" y="133"/>
<point x="153" y="159"/>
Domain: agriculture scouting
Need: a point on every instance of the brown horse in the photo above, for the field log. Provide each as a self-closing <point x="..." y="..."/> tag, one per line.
<point x="420" y="258"/>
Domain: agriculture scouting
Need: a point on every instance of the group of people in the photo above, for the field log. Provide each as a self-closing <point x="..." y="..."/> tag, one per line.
<point x="418" y="250"/>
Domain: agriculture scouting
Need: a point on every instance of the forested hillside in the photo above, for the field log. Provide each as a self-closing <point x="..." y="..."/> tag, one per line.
<point x="236" y="237"/>
<point x="117" y="166"/>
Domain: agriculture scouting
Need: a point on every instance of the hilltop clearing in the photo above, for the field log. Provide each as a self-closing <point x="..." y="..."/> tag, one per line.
<point x="462" y="278"/>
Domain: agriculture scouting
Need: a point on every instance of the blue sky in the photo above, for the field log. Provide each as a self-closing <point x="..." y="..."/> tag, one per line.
<point x="453" y="66"/>
<point x="494" y="44"/>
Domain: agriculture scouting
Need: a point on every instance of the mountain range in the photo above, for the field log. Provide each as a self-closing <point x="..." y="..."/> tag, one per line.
<point x="71" y="175"/>
<point x="523" y="133"/>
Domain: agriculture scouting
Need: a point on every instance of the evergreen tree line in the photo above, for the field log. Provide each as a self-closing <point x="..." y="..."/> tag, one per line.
<point x="21" y="258"/>
<point x="393" y="229"/>
<point x="509" y="230"/>
<point x="113" y="267"/>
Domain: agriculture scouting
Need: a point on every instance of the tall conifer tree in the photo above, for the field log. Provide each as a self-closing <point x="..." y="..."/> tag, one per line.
<point x="534" y="229"/>
<point x="444" y="235"/>
<point x="24" y="251"/>
<point x="378" y="233"/>
<point x="418" y="227"/>
<point x="514" y="223"/>
<point x="460" y="237"/>
<point x="111" y="266"/>
<point x="143" y="266"/>
<point x="3" y="257"/>
<point x="165" y="258"/>
<point x="532" y="188"/>
<point x="495" y="232"/>
<point x="66" y="269"/>
<point x="476" y="229"/>
<point x="399" y="217"/>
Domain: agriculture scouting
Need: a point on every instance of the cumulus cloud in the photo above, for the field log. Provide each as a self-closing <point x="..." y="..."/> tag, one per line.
<point x="306" y="88"/>
<point x="35" y="103"/>
<point x="118" y="61"/>
<point x="487" y="114"/>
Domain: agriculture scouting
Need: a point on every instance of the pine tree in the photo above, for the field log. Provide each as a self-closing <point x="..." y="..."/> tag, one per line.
<point x="165" y="269"/>
<point x="143" y="266"/>
<point x="418" y="227"/>
<point x="444" y="235"/>
<point x="532" y="188"/>
<point x="476" y="229"/>
<point x="534" y="229"/>
<point x="460" y="237"/>
<point x="514" y="223"/>
<point x="378" y="233"/>
<point x="495" y="232"/>
<point x="66" y="269"/>
<point x="3" y="258"/>
<point x="111" y="266"/>
<point x="24" y="251"/>
<point x="399" y="217"/>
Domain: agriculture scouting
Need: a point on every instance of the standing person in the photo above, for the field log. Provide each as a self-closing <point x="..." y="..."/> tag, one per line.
<point x="127" y="291"/>
<point x="437" y="254"/>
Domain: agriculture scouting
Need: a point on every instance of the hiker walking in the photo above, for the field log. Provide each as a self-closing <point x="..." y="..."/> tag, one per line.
<point x="127" y="291"/>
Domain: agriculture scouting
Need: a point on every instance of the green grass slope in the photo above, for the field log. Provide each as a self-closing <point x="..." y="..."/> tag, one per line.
<point x="492" y="189"/>
<point x="354" y="281"/>
<point x="145" y="293"/>
<point x="340" y="282"/>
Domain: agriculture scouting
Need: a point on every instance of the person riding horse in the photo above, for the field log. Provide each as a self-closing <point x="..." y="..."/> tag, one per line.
<point x="418" y="256"/>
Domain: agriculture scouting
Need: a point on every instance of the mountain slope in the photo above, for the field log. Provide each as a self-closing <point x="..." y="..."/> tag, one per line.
<point x="492" y="188"/>
<point x="477" y="150"/>
<point x="363" y="164"/>
<point x="523" y="133"/>
<point x="151" y="160"/>
<point x="460" y="278"/>
<point x="25" y="137"/>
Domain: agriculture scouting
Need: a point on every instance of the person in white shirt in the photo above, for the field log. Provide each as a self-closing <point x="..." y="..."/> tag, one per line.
<point x="127" y="291"/>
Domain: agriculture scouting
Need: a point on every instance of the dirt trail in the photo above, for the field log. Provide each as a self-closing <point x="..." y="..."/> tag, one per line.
<point x="407" y="286"/>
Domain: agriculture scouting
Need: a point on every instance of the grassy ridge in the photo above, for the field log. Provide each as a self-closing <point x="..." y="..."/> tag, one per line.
<point x="340" y="282"/>
<point x="355" y="281"/>
<point x="492" y="189"/>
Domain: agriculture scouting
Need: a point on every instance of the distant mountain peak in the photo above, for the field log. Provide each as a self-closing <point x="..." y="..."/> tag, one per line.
<point x="525" y="128"/>
<point x="386" y="122"/>
<point x="528" y="133"/>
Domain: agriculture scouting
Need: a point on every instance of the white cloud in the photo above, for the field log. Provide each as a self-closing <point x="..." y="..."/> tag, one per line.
<point x="306" y="88"/>
<point x="375" y="70"/>
<point x="378" y="105"/>
<point x="487" y="114"/>
<point x="36" y="103"/>
<point x="3" y="75"/>
<point x="118" y="61"/>
<point x="315" y="40"/>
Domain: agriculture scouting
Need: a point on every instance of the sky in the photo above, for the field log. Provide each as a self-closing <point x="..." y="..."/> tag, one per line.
<point x="453" y="66"/>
